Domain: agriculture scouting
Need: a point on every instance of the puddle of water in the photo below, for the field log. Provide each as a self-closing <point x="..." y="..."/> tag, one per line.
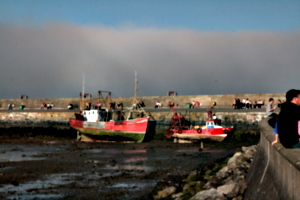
<point x="50" y="181"/>
<point x="131" y="167"/>
<point x="187" y="151"/>
<point x="127" y="167"/>
<point x="35" y="196"/>
<point x="134" y="189"/>
<point x="94" y="151"/>
<point x="134" y="185"/>
<point x="212" y="151"/>
<point x="135" y="151"/>
<point x="113" y="151"/>
<point x="18" y="156"/>
<point x="195" y="150"/>
<point x="45" y="188"/>
<point x="28" y="190"/>
<point x="136" y="159"/>
<point x="161" y="155"/>
<point x="24" y="153"/>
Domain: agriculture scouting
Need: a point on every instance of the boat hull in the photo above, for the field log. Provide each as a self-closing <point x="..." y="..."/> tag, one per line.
<point x="136" y="130"/>
<point x="214" y="134"/>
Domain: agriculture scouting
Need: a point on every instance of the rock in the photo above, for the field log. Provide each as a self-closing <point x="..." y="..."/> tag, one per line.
<point x="227" y="183"/>
<point x="226" y="189"/>
<point x="250" y="152"/>
<point x="208" y="186"/>
<point x="165" y="192"/>
<point x="238" y="189"/>
<point x="244" y="149"/>
<point x="211" y="194"/>
<point x="176" y="196"/>
<point x="193" y="187"/>
<point x="222" y="173"/>
<point x="253" y="147"/>
<point x="232" y="161"/>
<point x="235" y="173"/>
<point x="238" y="198"/>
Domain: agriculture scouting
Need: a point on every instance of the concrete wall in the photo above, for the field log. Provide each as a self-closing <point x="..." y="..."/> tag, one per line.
<point x="250" y="117"/>
<point x="206" y="100"/>
<point x="242" y="120"/>
<point x="275" y="171"/>
<point x="35" y="116"/>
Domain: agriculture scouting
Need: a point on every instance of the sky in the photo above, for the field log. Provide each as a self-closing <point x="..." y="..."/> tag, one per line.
<point x="49" y="48"/>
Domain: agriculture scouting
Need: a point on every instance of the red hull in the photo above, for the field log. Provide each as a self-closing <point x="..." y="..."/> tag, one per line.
<point x="136" y="125"/>
<point x="213" y="131"/>
<point x="210" y="131"/>
<point x="127" y="130"/>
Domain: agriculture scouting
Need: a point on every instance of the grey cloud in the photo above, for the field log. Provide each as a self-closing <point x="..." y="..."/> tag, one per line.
<point x="49" y="61"/>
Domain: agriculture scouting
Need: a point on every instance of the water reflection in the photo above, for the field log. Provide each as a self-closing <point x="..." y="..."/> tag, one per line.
<point x="19" y="153"/>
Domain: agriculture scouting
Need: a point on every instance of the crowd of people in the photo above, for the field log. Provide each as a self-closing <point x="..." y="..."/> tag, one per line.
<point x="158" y="104"/>
<point x="195" y="104"/>
<point x="139" y="104"/>
<point x="237" y="104"/>
<point x="172" y="104"/>
<point x="48" y="106"/>
<point x="112" y="105"/>
<point x="10" y="106"/>
<point x="98" y="106"/>
<point x="247" y="104"/>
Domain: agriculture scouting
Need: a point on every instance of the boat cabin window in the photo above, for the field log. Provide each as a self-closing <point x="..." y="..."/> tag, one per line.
<point x="210" y="125"/>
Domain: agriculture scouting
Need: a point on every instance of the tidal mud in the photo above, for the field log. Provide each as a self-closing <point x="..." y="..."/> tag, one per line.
<point x="67" y="169"/>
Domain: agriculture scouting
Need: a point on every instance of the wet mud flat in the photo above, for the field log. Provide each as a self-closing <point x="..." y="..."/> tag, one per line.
<point x="67" y="169"/>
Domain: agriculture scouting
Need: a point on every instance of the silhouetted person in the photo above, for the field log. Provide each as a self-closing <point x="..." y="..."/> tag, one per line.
<point x="288" y="120"/>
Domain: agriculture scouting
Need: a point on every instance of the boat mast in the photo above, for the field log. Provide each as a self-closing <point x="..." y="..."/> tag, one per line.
<point x="135" y="101"/>
<point x="82" y="94"/>
<point x="135" y="87"/>
<point x="136" y="105"/>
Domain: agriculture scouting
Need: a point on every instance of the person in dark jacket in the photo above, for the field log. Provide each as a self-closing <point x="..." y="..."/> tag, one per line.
<point x="288" y="119"/>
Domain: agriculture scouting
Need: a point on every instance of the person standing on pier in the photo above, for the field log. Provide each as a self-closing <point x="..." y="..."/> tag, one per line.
<point x="288" y="120"/>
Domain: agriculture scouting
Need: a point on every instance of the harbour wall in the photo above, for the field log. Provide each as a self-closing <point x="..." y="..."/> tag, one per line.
<point x="242" y="120"/>
<point x="223" y="101"/>
<point x="275" y="171"/>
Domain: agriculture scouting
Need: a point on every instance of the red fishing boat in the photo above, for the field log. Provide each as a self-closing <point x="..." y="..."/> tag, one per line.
<point x="180" y="128"/>
<point x="113" y="124"/>
<point x="92" y="127"/>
